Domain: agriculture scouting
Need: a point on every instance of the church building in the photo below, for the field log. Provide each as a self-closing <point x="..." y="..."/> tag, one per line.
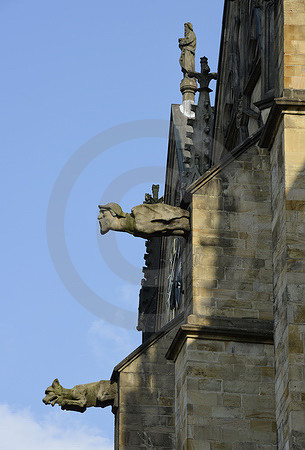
<point x="222" y="302"/>
<point x="222" y="312"/>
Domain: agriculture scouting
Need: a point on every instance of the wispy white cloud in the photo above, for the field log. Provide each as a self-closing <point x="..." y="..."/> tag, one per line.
<point x="20" y="430"/>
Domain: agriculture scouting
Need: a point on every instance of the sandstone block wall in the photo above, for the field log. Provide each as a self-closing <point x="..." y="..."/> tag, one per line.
<point x="288" y="197"/>
<point x="232" y="252"/>
<point x="225" y="385"/>
<point x="225" y="396"/>
<point x="146" y="415"/>
<point x="294" y="44"/>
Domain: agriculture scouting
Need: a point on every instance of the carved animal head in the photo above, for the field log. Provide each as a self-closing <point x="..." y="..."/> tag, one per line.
<point x="52" y="393"/>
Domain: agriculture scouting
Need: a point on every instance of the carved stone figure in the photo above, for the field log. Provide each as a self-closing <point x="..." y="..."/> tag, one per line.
<point x="80" y="397"/>
<point x="146" y="220"/>
<point x="205" y="76"/>
<point x="155" y="197"/>
<point x="187" y="46"/>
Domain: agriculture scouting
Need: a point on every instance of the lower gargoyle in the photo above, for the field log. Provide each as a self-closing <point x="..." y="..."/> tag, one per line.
<point x="99" y="394"/>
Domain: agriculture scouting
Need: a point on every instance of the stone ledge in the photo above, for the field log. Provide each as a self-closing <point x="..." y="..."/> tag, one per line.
<point x="220" y="329"/>
<point x="283" y="105"/>
<point x="294" y="94"/>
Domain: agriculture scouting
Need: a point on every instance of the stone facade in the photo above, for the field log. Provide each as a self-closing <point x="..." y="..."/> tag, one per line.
<point x="222" y="361"/>
<point x="231" y="223"/>
<point x="224" y="392"/>
<point x="145" y="417"/>
<point x="288" y="232"/>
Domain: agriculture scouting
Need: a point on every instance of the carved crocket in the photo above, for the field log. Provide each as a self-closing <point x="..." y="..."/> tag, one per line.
<point x="146" y="220"/>
<point x="99" y="394"/>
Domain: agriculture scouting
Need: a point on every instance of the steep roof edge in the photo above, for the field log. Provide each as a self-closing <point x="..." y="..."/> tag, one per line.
<point x="138" y="351"/>
<point x="244" y="146"/>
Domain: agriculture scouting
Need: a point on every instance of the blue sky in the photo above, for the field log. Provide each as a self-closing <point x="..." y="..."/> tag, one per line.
<point x="86" y="95"/>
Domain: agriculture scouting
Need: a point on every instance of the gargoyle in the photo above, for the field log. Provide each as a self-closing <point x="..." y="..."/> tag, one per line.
<point x="100" y="394"/>
<point x="146" y="220"/>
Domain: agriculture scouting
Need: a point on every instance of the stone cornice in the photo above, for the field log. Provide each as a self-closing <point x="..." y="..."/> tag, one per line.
<point x="283" y="105"/>
<point x="221" y="329"/>
<point x="143" y="347"/>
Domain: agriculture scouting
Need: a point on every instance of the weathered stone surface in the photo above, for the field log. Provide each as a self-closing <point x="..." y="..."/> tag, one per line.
<point x="145" y="417"/>
<point x="288" y="193"/>
<point x="146" y="220"/>
<point x="232" y="249"/>
<point x="100" y="394"/>
<point x="187" y="45"/>
<point x="220" y="401"/>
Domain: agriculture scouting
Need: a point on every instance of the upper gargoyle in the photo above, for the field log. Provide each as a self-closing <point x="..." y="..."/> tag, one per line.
<point x="146" y="220"/>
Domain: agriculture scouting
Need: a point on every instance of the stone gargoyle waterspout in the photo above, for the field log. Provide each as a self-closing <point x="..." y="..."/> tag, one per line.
<point x="99" y="394"/>
<point x="146" y="220"/>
